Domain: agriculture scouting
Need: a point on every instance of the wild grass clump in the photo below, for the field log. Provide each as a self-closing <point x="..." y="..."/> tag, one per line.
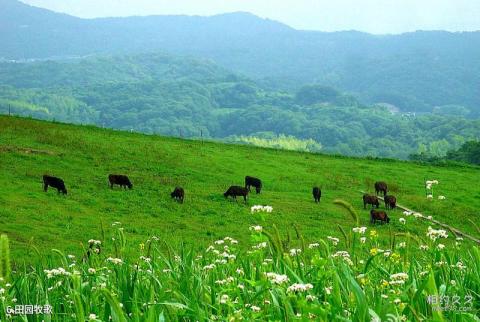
<point x="362" y="280"/>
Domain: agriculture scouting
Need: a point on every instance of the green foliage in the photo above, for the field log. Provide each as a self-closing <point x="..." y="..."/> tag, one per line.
<point x="225" y="282"/>
<point x="281" y="141"/>
<point x="156" y="93"/>
<point x="469" y="152"/>
<point x="314" y="94"/>
<point x="5" y="267"/>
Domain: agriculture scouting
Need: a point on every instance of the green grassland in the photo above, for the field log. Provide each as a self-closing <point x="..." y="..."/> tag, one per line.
<point x="84" y="156"/>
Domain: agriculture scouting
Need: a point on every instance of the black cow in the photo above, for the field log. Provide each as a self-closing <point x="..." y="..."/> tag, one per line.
<point x="235" y="191"/>
<point x="55" y="183"/>
<point x="178" y="194"/>
<point x="121" y="180"/>
<point x="378" y="215"/>
<point x="317" y="194"/>
<point x="255" y="182"/>
<point x="381" y="186"/>
<point x="370" y="200"/>
<point x="390" y="202"/>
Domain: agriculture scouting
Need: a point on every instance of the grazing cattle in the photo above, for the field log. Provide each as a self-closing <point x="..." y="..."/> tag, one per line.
<point x="121" y="180"/>
<point x="378" y="215"/>
<point x="235" y="191"/>
<point x="317" y="193"/>
<point x="370" y="200"/>
<point x="55" y="183"/>
<point x="178" y="194"/>
<point x="255" y="182"/>
<point x="381" y="186"/>
<point x="390" y="202"/>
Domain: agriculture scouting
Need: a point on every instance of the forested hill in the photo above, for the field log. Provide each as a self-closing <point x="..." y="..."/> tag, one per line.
<point x="414" y="72"/>
<point x="181" y="96"/>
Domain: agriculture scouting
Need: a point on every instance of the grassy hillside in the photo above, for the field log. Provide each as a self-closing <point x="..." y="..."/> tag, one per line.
<point x="224" y="269"/>
<point x="84" y="156"/>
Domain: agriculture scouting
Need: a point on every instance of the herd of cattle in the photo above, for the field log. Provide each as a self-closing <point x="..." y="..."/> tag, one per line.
<point x="238" y="191"/>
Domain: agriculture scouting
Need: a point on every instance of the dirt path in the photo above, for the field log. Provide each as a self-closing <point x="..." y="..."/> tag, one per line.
<point x="452" y="229"/>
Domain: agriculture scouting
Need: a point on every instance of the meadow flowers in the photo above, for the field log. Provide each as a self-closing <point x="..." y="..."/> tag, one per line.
<point x="398" y="278"/>
<point x="334" y="240"/>
<point x="115" y="261"/>
<point x="56" y="272"/>
<point x="277" y="278"/>
<point x="298" y="288"/>
<point x="257" y="229"/>
<point x="224" y="299"/>
<point x="248" y="289"/>
<point x="295" y="252"/>
<point x="402" y="221"/>
<point x="259" y="208"/>
<point x="360" y="230"/>
<point x="344" y="255"/>
<point x="434" y="234"/>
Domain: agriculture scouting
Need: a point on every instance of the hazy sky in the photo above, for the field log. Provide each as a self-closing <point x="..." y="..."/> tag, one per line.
<point x="374" y="16"/>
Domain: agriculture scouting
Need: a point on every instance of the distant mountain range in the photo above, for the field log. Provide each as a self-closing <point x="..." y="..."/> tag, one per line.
<point x="413" y="71"/>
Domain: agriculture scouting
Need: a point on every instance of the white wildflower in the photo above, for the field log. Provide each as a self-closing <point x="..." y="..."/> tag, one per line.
<point x="334" y="240"/>
<point x="224" y="299"/>
<point x="209" y="267"/>
<point x="434" y="234"/>
<point x="257" y="229"/>
<point x="259" y="208"/>
<point x="398" y="278"/>
<point x="297" y="287"/>
<point x="277" y="278"/>
<point x="417" y="215"/>
<point x="310" y="298"/>
<point x="116" y="261"/>
<point x="360" y="230"/>
<point x="255" y="308"/>
<point x="260" y="246"/>
<point x="295" y="252"/>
